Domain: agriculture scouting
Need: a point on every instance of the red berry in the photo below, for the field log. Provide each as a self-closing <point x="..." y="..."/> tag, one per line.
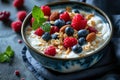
<point x="4" y="15"/>
<point x="21" y="15"/>
<point x="69" y="42"/>
<point x="17" y="72"/>
<point x="39" y="32"/>
<point x="18" y="3"/>
<point x="78" y="22"/>
<point x="31" y="21"/>
<point x="46" y="10"/>
<point x="16" y="26"/>
<point x="19" y="41"/>
<point x="54" y="29"/>
<point x="65" y="16"/>
<point x="51" y="51"/>
<point x="92" y="29"/>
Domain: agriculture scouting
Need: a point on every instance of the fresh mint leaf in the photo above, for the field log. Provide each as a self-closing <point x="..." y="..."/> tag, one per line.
<point x="4" y="58"/>
<point x="37" y="13"/>
<point x="7" y="55"/>
<point x="46" y="27"/>
<point x="9" y="52"/>
<point x="38" y="23"/>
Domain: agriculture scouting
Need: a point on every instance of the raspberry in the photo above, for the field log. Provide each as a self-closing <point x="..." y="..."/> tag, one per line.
<point x="51" y="51"/>
<point x="78" y="22"/>
<point x="92" y="29"/>
<point x="17" y="72"/>
<point x="21" y="15"/>
<point x="18" y="3"/>
<point x="69" y="42"/>
<point x="16" y="26"/>
<point x="46" y="10"/>
<point x="54" y="29"/>
<point x="19" y="41"/>
<point x="65" y="16"/>
<point x="4" y="15"/>
<point x="31" y="21"/>
<point x="39" y="32"/>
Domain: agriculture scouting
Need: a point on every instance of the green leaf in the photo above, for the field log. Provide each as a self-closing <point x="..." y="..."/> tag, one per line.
<point x="4" y="58"/>
<point x="9" y="52"/>
<point x="7" y="55"/>
<point x="38" y="23"/>
<point x="46" y="27"/>
<point x="37" y="13"/>
<point x="35" y="25"/>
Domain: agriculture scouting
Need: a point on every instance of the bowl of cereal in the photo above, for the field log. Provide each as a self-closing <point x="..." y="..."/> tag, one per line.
<point x="67" y="38"/>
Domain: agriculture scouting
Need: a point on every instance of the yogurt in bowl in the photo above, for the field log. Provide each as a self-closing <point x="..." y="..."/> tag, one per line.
<point x="76" y="40"/>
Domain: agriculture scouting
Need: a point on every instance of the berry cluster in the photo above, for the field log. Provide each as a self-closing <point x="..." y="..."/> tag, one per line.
<point x="16" y="25"/>
<point x="4" y="15"/>
<point x="69" y="26"/>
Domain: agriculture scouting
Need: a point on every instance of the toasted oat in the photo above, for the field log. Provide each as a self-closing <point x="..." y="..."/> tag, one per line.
<point x="81" y="55"/>
<point x="46" y="17"/>
<point x="96" y="45"/>
<point x="64" y="35"/>
<point x="75" y="35"/>
<point x="97" y="41"/>
<point x="99" y="34"/>
<point x="59" y="52"/>
<point x="71" y="15"/>
<point x="93" y="23"/>
<point x="61" y="35"/>
<point x="29" y="29"/>
<point x="60" y="47"/>
<point x="68" y="8"/>
<point x="87" y="47"/>
<point x="55" y="42"/>
<point x="40" y="44"/>
<point x="68" y="50"/>
<point x="61" y="41"/>
<point x="89" y="16"/>
<point x="52" y="22"/>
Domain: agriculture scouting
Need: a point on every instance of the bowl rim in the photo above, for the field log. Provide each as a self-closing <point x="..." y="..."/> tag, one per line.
<point x="65" y="2"/>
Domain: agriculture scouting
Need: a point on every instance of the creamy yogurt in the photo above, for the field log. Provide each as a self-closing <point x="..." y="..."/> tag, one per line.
<point x="101" y="37"/>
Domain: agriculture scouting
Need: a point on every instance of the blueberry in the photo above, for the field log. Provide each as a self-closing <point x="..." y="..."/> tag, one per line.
<point x="46" y="36"/>
<point x="81" y="41"/>
<point x="69" y="31"/>
<point x="77" y="48"/>
<point x="75" y="11"/>
<point x="54" y="36"/>
<point x="68" y="22"/>
<point x="59" y="23"/>
<point x="61" y="11"/>
<point x="82" y="33"/>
